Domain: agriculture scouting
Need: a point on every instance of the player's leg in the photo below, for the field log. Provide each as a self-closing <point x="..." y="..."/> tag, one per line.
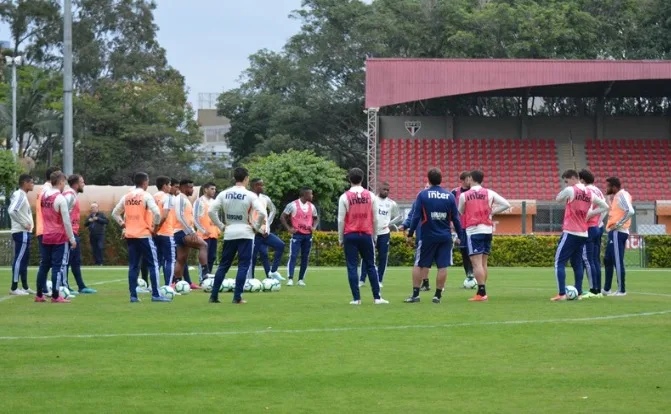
<point x="366" y="248"/>
<point x="619" y="246"/>
<point x="443" y="259"/>
<point x="212" y="244"/>
<point x="150" y="258"/>
<point x="426" y="284"/>
<point x="294" y="249"/>
<point x="20" y="249"/>
<point x="255" y="254"/>
<point x="144" y="272"/>
<point x="577" y="263"/>
<point x="45" y="264"/>
<point x="597" y="259"/>
<point x="352" y="261"/>
<point x="565" y="250"/>
<point x="59" y="261"/>
<point x="134" y="257"/>
<point x="228" y="252"/>
<point x="23" y="267"/>
<point x="277" y="245"/>
<point x="609" y="263"/>
<point x="585" y="258"/>
<point x="362" y="278"/>
<point x="420" y="271"/>
<point x="487" y="250"/>
<point x="306" y="247"/>
<point x="263" y="251"/>
<point x="244" y="250"/>
<point x="382" y="255"/>
<point x="194" y="242"/>
<point x="76" y="266"/>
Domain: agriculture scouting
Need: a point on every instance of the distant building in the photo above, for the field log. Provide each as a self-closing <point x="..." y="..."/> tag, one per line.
<point x="214" y="129"/>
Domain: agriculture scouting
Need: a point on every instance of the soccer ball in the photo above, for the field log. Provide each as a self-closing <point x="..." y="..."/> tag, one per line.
<point x="182" y="287"/>
<point x="276" y="286"/>
<point x="167" y="292"/>
<point x="228" y="285"/>
<point x="470" y="283"/>
<point x="50" y="288"/>
<point x="571" y="293"/>
<point x="267" y="284"/>
<point x="248" y="286"/>
<point x="64" y="292"/>
<point x="255" y="285"/>
<point x="208" y="284"/>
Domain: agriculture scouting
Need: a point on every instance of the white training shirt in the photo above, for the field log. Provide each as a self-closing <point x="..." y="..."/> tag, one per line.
<point x="239" y="206"/>
<point x="388" y="214"/>
<point x="494" y="199"/>
<point x="20" y="212"/>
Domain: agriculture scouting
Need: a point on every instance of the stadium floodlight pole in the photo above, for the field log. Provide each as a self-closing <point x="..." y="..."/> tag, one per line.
<point x="67" y="88"/>
<point x="372" y="148"/>
<point x="14" y="61"/>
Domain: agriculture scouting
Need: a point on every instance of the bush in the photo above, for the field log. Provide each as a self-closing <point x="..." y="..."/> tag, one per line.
<point x="657" y="251"/>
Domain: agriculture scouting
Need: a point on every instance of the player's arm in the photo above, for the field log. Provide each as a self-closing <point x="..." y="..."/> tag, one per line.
<point x="406" y="222"/>
<point x="374" y="206"/>
<point x="396" y="216"/>
<point x="61" y="205"/>
<point x="214" y="212"/>
<point x="180" y="206"/>
<point x="462" y="203"/>
<point x="286" y="217"/>
<point x="151" y="205"/>
<point x="625" y="205"/>
<point x="599" y="206"/>
<point x="118" y="211"/>
<point x="260" y="214"/>
<point x="342" y="212"/>
<point x="272" y="212"/>
<point x="454" y="214"/>
<point x="70" y="199"/>
<point x="566" y="195"/>
<point x="15" y="204"/>
<point x="198" y="211"/>
<point x="167" y="204"/>
<point x="315" y="218"/>
<point x="416" y="215"/>
<point x="500" y="204"/>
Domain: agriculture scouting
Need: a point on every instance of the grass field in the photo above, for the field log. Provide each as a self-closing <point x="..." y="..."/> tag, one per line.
<point x="305" y="350"/>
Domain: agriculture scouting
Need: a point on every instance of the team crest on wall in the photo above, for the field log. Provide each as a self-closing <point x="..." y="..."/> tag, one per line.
<point x="413" y="127"/>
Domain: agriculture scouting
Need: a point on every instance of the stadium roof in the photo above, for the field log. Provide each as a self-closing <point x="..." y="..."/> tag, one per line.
<point x="396" y="81"/>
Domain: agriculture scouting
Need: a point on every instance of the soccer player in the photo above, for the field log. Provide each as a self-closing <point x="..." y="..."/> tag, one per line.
<point x="76" y="183"/>
<point x="22" y="227"/>
<point x="211" y="236"/>
<point x="464" y="178"/>
<point x="45" y="259"/>
<point x="436" y="208"/>
<point x="141" y="220"/>
<point x="591" y="253"/>
<point x="357" y="228"/>
<point x="164" y="239"/>
<point x="304" y="220"/>
<point x="619" y="220"/>
<point x="238" y="205"/>
<point x="388" y="214"/>
<point x="476" y="207"/>
<point x="56" y="232"/>
<point x="186" y="238"/>
<point x="264" y="238"/>
<point x="579" y="201"/>
<point x="426" y="285"/>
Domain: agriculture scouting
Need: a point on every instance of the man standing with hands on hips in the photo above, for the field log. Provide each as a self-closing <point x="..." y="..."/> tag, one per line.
<point x="304" y="220"/>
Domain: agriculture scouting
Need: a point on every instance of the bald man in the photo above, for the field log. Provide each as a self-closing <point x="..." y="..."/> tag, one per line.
<point x="96" y="223"/>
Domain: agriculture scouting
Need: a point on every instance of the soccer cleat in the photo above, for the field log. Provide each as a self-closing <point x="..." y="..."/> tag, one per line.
<point x="381" y="302"/>
<point x="30" y="291"/>
<point x="134" y="299"/>
<point x="558" y="298"/>
<point x="73" y="292"/>
<point x="355" y="302"/>
<point x="214" y="300"/>
<point x="40" y="299"/>
<point x="599" y="296"/>
<point x="478" y="298"/>
<point x="587" y="295"/>
<point x="618" y="294"/>
<point x="160" y="299"/>
<point x="142" y="290"/>
<point x="18" y="292"/>
<point x="88" y="291"/>
<point x="290" y="282"/>
<point x="412" y="299"/>
<point x="381" y="286"/>
<point x="276" y="276"/>
<point x="59" y="300"/>
<point x="239" y="301"/>
<point x="195" y="286"/>
<point x="425" y="288"/>
<point x="435" y="299"/>
<point x="361" y="284"/>
<point x="301" y="283"/>
<point x="606" y="292"/>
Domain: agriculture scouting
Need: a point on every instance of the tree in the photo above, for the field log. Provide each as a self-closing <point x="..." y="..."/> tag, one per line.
<point x="285" y="173"/>
<point x="9" y="173"/>
<point x="31" y="23"/>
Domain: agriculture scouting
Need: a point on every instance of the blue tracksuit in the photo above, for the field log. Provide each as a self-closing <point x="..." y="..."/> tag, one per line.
<point x="435" y="207"/>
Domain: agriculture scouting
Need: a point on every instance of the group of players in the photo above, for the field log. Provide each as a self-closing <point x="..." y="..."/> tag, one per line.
<point x="161" y="229"/>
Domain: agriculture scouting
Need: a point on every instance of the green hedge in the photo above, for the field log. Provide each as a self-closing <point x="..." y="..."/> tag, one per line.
<point x="657" y="251"/>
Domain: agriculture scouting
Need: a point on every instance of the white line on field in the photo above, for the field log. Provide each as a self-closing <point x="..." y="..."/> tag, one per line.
<point x="332" y="330"/>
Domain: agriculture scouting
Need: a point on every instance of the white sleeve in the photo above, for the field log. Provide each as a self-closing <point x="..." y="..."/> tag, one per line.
<point x="396" y="216"/>
<point x="272" y="212"/>
<point x="180" y="206"/>
<point x="462" y="203"/>
<point x="153" y="207"/>
<point x="501" y="203"/>
<point x="342" y="212"/>
<point x="374" y="206"/>
<point x="567" y="194"/>
<point x="118" y="210"/>
<point x="289" y="209"/>
<point x="599" y="206"/>
<point x="62" y="206"/>
<point x="214" y="212"/>
<point x="198" y="210"/>
<point x="71" y="200"/>
<point x="262" y="216"/>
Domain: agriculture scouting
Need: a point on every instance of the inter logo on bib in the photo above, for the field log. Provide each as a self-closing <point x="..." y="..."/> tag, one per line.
<point x="413" y="127"/>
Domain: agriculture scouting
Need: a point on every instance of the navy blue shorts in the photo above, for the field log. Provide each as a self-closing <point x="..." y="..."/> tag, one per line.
<point x="429" y="252"/>
<point x="479" y="244"/>
<point x="179" y="238"/>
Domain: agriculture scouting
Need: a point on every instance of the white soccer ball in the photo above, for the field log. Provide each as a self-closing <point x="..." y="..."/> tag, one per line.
<point x="248" y="286"/>
<point x="64" y="292"/>
<point x="276" y="286"/>
<point x="256" y="285"/>
<point x="228" y="285"/>
<point x="50" y="288"/>
<point x="208" y="284"/>
<point x="182" y="287"/>
<point x="571" y="293"/>
<point x="470" y="283"/>
<point x="141" y="283"/>
<point x="267" y="284"/>
<point x="167" y="292"/>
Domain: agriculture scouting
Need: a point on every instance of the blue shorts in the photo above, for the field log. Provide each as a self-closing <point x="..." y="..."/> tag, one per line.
<point x="429" y="252"/>
<point x="179" y="238"/>
<point x="479" y="244"/>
